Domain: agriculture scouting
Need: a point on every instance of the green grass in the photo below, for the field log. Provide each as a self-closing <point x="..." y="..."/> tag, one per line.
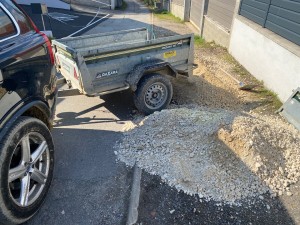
<point x="237" y="68"/>
<point x="165" y="15"/>
<point x="228" y="58"/>
<point x="200" y="42"/>
<point x="123" y="6"/>
<point x="270" y="97"/>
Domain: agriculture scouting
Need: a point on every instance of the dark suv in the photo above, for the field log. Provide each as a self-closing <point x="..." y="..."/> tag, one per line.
<point x="27" y="102"/>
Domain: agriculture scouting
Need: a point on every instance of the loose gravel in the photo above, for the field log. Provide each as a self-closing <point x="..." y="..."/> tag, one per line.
<point x="216" y="154"/>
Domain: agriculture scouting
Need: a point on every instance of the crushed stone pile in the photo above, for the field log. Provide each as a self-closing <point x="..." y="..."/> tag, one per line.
<point x="216" y="154"/>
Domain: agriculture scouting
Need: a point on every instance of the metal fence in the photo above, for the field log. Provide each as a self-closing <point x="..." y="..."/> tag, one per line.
<point x="178" y="2"/>
<point x="280" y="16"/>
<point x="221" y="11"/>
<point x="196" y="12"/>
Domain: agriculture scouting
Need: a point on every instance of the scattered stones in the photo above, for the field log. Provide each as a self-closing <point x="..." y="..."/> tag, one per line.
<point x="172" y="211"/>
<point x="217" y="154"/>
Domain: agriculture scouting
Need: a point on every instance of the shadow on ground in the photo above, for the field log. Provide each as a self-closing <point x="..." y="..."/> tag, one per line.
<point x="88" y="187"/>
<point x="119" y="104"/>
<point x="190" y="210"/>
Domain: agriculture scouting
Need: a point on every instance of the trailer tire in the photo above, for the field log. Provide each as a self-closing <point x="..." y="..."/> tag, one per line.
<point x="154" y="93"/>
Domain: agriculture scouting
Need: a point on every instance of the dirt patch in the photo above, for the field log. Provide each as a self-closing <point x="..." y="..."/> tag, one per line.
<point x="206" y="89"/>
<point x="217" y="81"/>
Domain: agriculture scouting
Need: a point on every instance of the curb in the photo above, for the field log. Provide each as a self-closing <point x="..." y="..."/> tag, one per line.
<point x="133" y="213"/>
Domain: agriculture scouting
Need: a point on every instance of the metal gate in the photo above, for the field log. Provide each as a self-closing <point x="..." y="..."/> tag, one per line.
<point x="196" y="14"/>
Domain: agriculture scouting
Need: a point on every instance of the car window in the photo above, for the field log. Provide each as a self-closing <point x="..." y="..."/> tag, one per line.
<point x="7" y="27"/>
<point x="23" y="23"/>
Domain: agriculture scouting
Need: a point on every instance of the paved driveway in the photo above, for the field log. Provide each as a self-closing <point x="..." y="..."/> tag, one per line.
<point x="89" y="187"/>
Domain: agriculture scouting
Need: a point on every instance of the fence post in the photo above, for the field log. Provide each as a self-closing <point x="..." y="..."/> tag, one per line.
<point x="240" y="6"/>
<point x="187" y="10"/>
<point x="203" y="12"/>
<point x="113" y="4"/>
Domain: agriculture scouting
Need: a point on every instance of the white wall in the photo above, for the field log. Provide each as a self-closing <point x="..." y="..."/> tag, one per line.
<point x="264" y="58"/>
<point x="49" y="3"/>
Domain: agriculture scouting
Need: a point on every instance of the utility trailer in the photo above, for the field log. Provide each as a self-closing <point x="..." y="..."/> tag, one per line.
<point x="110" y="62"/>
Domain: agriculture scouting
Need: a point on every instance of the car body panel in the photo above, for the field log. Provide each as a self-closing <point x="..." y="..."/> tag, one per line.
<point x="27" y="74"/>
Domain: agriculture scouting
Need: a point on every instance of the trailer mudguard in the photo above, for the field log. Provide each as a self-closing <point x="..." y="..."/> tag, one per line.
<point x="141" y="70"/>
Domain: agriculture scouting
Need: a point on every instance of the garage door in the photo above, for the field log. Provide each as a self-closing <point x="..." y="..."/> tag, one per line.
<point x="195" y="15"/>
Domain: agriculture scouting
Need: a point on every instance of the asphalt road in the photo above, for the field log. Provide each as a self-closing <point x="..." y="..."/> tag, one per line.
<point x="63" y="22"/>
<point x="89" y="187"/>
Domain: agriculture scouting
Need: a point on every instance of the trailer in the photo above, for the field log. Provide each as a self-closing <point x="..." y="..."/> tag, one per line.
<point x="110" y="62"/>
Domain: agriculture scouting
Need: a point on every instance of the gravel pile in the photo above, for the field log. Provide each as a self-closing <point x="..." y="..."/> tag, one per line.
<point x="215" y="154"/>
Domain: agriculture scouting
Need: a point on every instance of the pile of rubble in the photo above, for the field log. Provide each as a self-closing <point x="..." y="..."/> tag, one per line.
<point x="216" y="154"/>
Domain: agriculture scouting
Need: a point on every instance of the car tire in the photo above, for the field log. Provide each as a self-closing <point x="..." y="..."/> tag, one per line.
<point x="153" y="93"/>
<point x="26" y="169"/>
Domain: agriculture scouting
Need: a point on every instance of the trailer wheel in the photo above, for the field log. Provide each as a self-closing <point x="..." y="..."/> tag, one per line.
<point x="26" y="169"/>
<point x="154" y="93"/>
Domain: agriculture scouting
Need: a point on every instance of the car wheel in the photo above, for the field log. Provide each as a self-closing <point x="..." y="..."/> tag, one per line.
<point x="26" y="169"/>
<point x="154" y="93"/>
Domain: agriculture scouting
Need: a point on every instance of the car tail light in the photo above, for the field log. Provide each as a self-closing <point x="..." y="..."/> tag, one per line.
<point x="49" y="47"/>
<point x="48" y="43"/>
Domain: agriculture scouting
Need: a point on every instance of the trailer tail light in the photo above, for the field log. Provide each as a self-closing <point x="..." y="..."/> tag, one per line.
<point x="57" y="61"/>
<point x="75" y="74"/>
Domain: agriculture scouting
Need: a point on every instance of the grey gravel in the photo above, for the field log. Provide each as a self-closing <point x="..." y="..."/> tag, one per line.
<point x="216" y="154"/>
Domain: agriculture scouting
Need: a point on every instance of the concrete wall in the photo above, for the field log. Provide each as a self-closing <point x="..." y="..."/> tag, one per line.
<point x="212" y="31"/>
<point x="269" y="57"/>
<point x="49" y="3"/>
<point x="177" y="10"/>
